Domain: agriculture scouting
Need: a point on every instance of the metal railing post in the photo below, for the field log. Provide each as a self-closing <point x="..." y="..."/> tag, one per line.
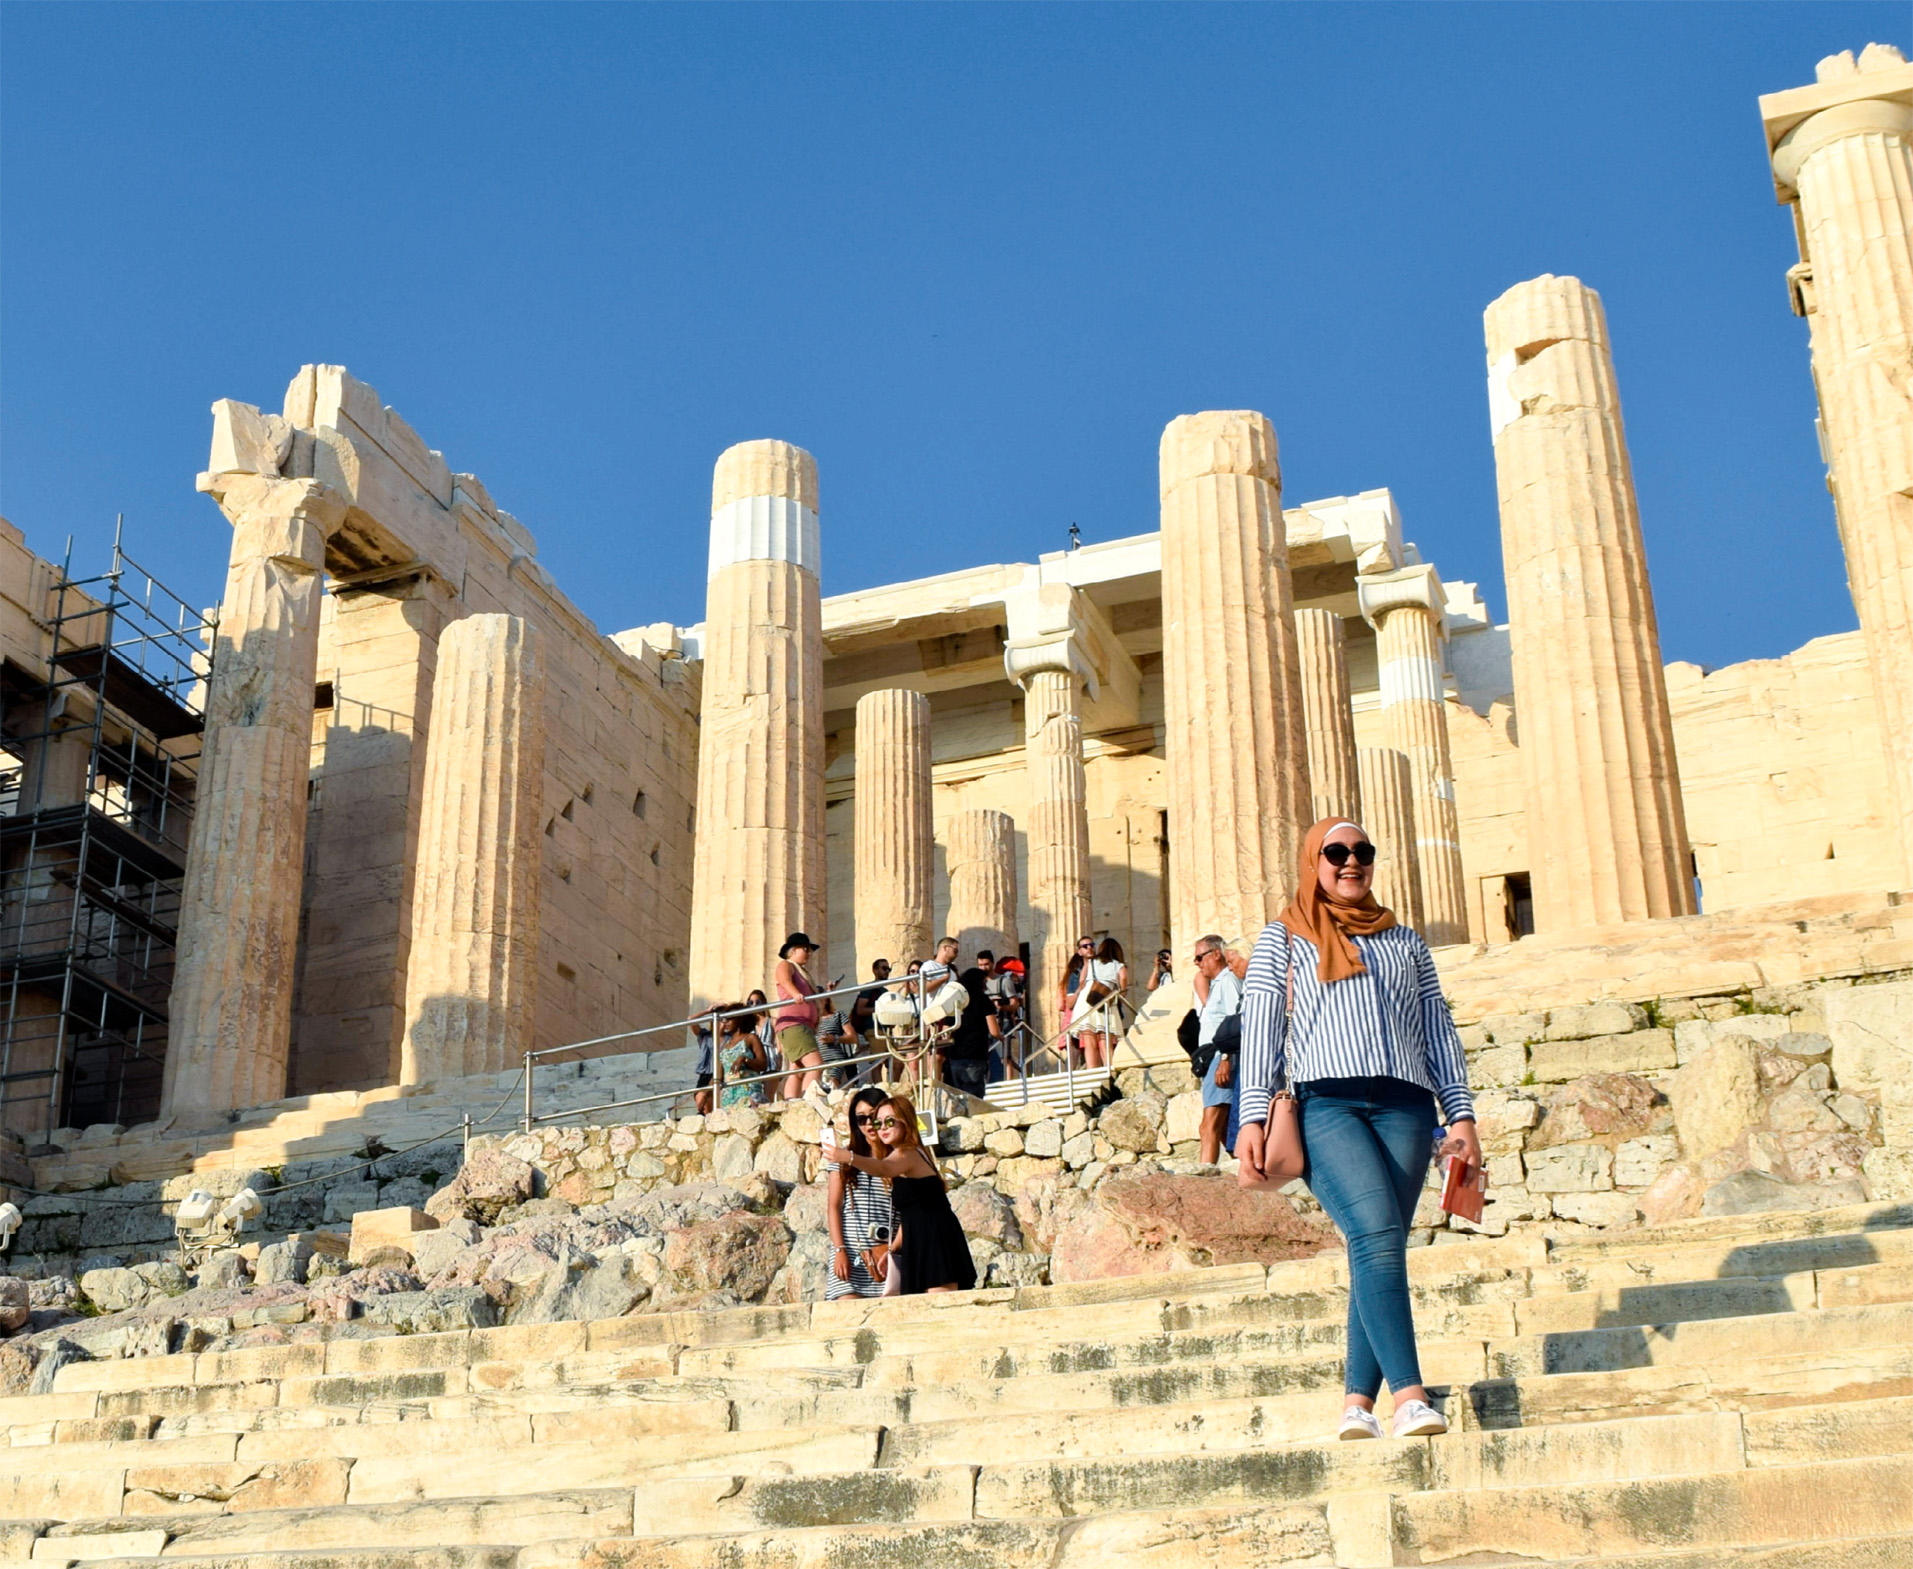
<point x="528" y="1072"/>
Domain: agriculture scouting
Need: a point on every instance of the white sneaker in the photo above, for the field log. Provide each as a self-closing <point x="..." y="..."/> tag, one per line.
<point x="1357" y="1423"/>
<point x="1418" y="1419"/>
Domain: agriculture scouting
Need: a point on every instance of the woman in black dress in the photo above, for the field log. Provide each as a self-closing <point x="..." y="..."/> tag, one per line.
<point x="932" y="1254"/>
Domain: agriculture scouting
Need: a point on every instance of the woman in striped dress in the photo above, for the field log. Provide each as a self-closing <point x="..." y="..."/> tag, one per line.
<point x="1344" y="1004"/>
<point x="855" y="1202"/>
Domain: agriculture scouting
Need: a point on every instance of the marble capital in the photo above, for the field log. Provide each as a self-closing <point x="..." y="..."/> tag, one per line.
<point x="1874" y="95"/>
<point x="1416" y="587"/>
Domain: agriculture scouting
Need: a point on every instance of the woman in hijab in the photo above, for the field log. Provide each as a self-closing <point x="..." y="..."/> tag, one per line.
<point x="1343" y="1005"/>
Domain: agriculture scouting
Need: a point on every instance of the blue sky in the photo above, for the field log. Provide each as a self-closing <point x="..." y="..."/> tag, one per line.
<point x="972" y="257"/>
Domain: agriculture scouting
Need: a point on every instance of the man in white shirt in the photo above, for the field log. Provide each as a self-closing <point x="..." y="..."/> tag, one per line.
<point x="1220" y="995"/>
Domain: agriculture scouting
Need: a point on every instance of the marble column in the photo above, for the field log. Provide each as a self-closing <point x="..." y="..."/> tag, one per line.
<point x="1388" y="803"/>
<point x="471" y="983"/>
<point x="980" y="853"/>
<point x="231" y="1006"/>
<point x="1405" y="608"/>
<point x="895" y="843"/>
<point x="1607" y="839"/>
<point x="758" y="871"/>
<point x="1058" y="826"/>
<point x="1328" y="713"/>
<point x="1234" y="736"/>
<point x="1843" y="156"/>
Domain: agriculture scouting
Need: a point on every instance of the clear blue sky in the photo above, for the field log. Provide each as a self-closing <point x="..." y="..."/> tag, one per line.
<point x="974" y="258"/>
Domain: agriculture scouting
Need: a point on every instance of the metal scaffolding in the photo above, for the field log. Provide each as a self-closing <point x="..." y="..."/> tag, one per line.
<point x="98" y="756"/>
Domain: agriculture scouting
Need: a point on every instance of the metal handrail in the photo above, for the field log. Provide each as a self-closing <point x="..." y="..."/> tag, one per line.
<point x="911" y="1058"/>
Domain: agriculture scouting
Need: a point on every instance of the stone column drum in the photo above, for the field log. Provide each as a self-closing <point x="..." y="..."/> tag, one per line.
<point x="471" y="981"/>
<point x="895" y="842"/>
<point x="1607" y="836"/>
<point x="1388" y="800"/>
<point x="1328" y="712"/>
<point x="980" y="853"/>
<point x="231" y="1005"/>
<point x="758" y="870"/>
<point x="1235" y="741"/>
<point x="1058" y="831"/>
<point x="1405" y="608"/>
<point x="1843" y="154"/>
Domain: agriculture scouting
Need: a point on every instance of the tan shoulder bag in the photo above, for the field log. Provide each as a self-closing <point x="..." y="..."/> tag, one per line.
<point x="1282" y="1154"/>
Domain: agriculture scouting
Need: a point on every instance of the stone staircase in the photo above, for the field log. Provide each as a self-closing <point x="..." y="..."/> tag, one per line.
<point x="1728" y="1391"/>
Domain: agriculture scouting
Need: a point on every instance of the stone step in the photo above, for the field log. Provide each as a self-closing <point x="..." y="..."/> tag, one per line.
<point x="1762" y="1229"/>
<point x="1770" y="1506"/>
<point x="57" y="1552"/>
<point x="1694" y="1261"/>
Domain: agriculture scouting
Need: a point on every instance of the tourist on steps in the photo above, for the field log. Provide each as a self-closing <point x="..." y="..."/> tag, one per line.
<point x="1344" y="1005"/>
<point x="1219" y="997"/>
<point x="797" y="1016"/>
<point x="1099" y="1005"/>
<point x="856" y="1205"/>
<point x="931" y="1252"/>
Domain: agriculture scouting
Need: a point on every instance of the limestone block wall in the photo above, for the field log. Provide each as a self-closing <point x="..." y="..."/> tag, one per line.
<point x="1784" y="776"/>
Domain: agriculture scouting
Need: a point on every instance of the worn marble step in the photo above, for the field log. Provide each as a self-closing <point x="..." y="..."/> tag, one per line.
<point x="57" y="1552"/>
<point x="1766" y="1507"/>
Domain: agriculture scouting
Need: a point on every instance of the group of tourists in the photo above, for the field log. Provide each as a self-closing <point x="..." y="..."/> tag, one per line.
<point x="760" y="1050"/>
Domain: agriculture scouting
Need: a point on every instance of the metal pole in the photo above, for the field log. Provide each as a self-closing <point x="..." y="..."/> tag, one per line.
<point x="528" y="1060"/>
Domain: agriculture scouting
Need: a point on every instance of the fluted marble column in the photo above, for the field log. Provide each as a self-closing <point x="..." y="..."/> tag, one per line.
<point x="1328" y="711"/>
<point x="1058" y="832"/>
<point x="1234" y="737"/>
<point x="1607" y="838"/>
<point x="758" y="871"/>
<point x="231" y="1007"/>
<point x="1843" y="154"/>
<point x="1405" y="608"/>
<point x="471" y="980"/>
<point x="1388" y="802"/>
<point x="895" y="845"/>
<point x="980" y="853"/>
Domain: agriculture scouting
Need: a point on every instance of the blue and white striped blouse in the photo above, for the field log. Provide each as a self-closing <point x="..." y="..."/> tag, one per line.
<point x="1390" y="1023"/>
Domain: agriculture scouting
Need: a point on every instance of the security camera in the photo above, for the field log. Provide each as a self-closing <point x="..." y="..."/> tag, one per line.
<point x="10" y="1218"/>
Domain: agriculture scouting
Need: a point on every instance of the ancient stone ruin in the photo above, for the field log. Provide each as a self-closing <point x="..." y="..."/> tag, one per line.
<point x="384" y="893"/>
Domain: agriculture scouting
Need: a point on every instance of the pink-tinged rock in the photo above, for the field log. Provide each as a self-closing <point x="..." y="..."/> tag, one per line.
<point x="489" y="1182"/>
<point x="1157" y="1222"/>
<point x="984" y="1212"/>
<point x="1600" y="1106"/>
<point x="739" y="1254"/>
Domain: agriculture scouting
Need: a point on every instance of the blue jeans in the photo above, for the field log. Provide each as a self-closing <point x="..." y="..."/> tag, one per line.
<point x="1369" y="1142"/>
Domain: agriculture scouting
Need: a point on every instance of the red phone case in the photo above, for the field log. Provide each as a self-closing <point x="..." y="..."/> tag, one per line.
<point x="1465" y="1192"/>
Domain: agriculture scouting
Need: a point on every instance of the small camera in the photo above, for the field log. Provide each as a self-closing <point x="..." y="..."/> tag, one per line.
<point x="879" y="1234"/>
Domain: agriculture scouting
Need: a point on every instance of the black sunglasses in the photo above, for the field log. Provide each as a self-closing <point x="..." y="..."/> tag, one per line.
<point x="1338" y="854"/>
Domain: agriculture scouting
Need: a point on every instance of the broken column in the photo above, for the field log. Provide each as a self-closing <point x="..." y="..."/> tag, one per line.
<point x="759" y="861"/>
<point x="471" y="981"/>
<point x="895" y="845"/>
<point x="1388" y="802"/>
<point x="980" y="854"/>
<point x="1328" y="714"/>
<point x="1843" y="156"/>
<point x="1405" y="608"/>
<point x="1607" y="837"/>
<point x="231" y="1005"/>
<point x="1234" y="737"/>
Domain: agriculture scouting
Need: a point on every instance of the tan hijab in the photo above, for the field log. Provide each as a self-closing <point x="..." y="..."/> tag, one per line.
<point x="1326" y="922"/>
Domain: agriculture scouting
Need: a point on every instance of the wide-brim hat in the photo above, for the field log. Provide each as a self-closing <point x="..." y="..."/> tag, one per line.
<point x="795" y="940"/>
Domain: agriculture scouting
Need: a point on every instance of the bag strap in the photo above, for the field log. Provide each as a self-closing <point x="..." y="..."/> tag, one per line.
<point x="1288" y="1013"/>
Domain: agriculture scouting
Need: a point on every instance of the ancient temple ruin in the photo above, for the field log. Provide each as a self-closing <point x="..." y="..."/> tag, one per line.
<point x="421" y="816"/>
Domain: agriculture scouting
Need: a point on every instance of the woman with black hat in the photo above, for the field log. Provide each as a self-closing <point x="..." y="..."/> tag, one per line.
<point x="797" y="1016"/>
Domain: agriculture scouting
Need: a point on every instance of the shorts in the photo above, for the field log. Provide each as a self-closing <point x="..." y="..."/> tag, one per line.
<point x="968" y="1074"/>
<point x="704" y="1081"/>
<point x="1212" y="1093"/>
<point x="796" y="1042"/>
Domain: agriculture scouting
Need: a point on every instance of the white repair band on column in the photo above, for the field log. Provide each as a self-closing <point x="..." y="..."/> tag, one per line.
<point x="1503" y="407"/>
<point x="765" y="528"/>
<point x="1406" y="680"/>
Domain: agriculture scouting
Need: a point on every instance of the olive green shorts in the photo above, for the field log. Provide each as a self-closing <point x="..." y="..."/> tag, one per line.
<point x="796" y="1042"/>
